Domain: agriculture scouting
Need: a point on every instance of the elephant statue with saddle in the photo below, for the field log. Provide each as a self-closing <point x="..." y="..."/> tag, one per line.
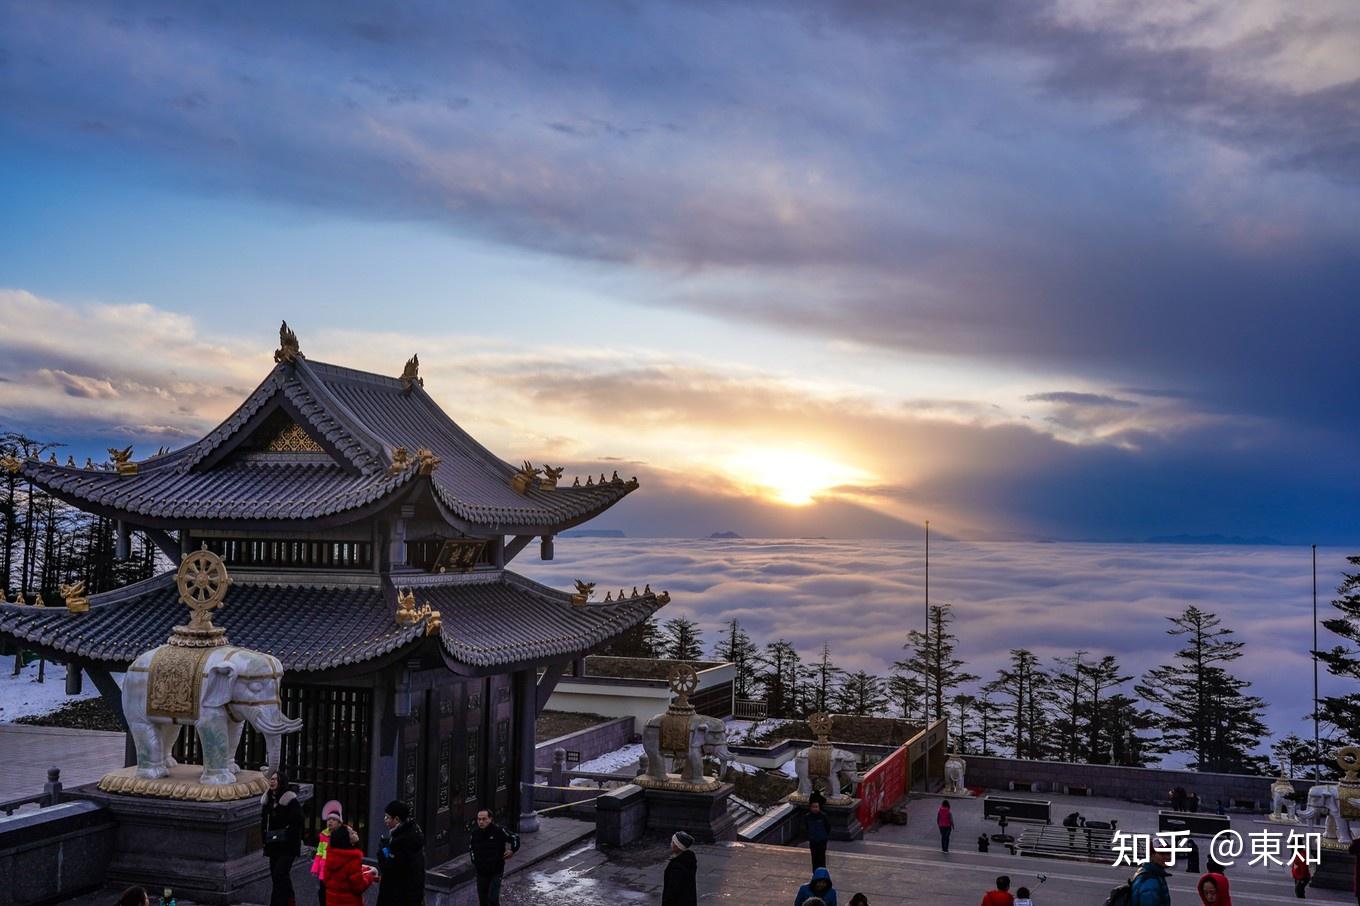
<point x="704" y="737"/>
<point x="225" y="688"/>
<point x="826" y="769"/>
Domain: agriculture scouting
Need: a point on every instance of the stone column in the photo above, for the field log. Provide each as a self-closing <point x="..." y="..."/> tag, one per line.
<point x="526" y="711"/>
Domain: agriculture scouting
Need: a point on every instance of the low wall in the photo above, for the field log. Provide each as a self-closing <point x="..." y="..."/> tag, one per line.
<point x="54" y="853"/>
<point x="640" y="699"/>
<point x="592" y="742"/>
<point x="1150" y="785"/>
<point x="777" y="827"/>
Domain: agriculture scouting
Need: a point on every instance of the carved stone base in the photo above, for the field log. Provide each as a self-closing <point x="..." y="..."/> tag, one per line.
<point x="701" y="814"/>
<point x="207" y="852"/>
<point x="675" y="784"/>
<point x="843" y="818"/>
<point x="1335" y="872"/>
<point x="183" y="784"/>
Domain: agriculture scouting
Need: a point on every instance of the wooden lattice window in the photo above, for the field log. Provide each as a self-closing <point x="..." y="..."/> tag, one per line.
<point x="274" y="553"/>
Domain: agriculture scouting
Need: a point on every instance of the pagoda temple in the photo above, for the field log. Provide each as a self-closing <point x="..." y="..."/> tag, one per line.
<point x="367" y="538"/>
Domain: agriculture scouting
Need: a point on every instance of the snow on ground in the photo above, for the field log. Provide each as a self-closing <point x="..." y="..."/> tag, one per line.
<point x="611" y="762"/>
<point x="24" y="696"/>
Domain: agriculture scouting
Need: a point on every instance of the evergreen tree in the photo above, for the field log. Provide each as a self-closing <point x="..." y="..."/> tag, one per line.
<point x="933" y="663"/>
<point x="1068" y="682"/>
<point x="682" y="640"/>
<point x="1340" y="714"/>
<point x="861" y="693"/>
<point x="1124" y="720"/>
<point x="737" y="649"/>
<point x="989" y="718"/>
<point x="778" y="677"/>
<point x="1015" y="686"/>
<point x="965" y="719"/>
<point x="825" y="676"/>
<point x="642" y="640"/>
<point x="1203" y="709"/>
<point x="1102" y="678"/>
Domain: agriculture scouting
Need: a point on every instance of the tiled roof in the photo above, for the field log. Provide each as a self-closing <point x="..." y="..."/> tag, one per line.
<point x="488" y="620"/>
<point x="361" y="418"/>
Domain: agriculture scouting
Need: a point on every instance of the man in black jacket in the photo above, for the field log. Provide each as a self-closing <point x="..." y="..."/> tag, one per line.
<point x="818" y="829"/>
<point x="401" y="858"/>
<point x="490" y="846"/>
<point x="678" y="886"/>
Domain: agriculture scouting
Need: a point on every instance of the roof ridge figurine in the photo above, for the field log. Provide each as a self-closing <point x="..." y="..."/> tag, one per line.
<point x="289" y="351"/>
<point x="410" y="375"/>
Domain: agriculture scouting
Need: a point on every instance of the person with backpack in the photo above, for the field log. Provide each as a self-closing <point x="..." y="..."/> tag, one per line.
<point x="1001" y="896"/>
<point x="1301" y="873"/>
<point x="944" y="820"/>
<point x="1148" y="885"/>
<point x="818" y="829"/>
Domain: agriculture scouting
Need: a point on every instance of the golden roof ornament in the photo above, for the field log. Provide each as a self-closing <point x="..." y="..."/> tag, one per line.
<point x="410" y="375"/>
<point x="632" y="483"/>
<point x="70" y="461"/>
<point x="408" y="614"/>
<point x="583" y="592"/>
<point x="550" y="477"/>
<point x="288" y="351"/>
<point x="635" y="591"/>
<point x="38" y="601"/>
<point x="426" y="461"/>
<point x="401" y="461"/>
<point x="122" y="460"/>
<point x="590" y="481"/>
<point x="577" y="482"/>
<point x="52" y="458"/>
<point x="89" y="464"/>
<point x="11" y="464"/>
<point x="608" y="597"/>
<point x="664" y="598"/>
<point x="202" y="580"/>
<point x="524" y="479"/>
<point x="19" y="598"/>
<point x="74" y="596"/>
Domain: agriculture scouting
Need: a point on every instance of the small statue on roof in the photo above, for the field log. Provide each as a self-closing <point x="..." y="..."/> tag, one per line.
<point x="426" y="461"/>
<point x="583" y="592"/>
<point x="71" y="461"/>
<point x="52" y="458"/>
<point x="288" y="351"/>
<point x="89" y="464"/>
<point x="577" y="482"/>
<point x="608" y="597"/>
<point x="406" y="607"/>
<point x="524" y="479"/>
<point x="410" y="375"/>
<point x="401" y="461"/>
<point x="550" y="477"/>
<point x="75" y="597"/>
<point x="122" y="460"/>
<point x="590" y="481"/>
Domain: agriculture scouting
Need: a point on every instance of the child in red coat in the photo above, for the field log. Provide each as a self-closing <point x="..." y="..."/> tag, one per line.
<point x="346" y="876"/>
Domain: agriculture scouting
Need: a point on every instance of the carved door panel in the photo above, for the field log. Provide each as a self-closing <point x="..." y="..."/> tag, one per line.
<point x="473" y="749"/>
<point x="410" y="765"/>
<point x="445" y="790"/>
<point x="501" y="751"/>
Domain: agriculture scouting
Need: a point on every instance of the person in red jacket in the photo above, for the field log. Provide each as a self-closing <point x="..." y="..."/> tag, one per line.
<point x="1213" y="888"/>
<point x="346" y="875"/>
<point x="1299" y="871"/>
<point x="1002" y="896"/>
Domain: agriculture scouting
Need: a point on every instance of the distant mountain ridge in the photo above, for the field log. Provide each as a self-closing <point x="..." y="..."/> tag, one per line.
<point x="1211" y="539"/>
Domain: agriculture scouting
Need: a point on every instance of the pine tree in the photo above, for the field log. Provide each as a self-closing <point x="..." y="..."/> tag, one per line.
<point x="1124" y="720"/>
<point x="641" y="640"/>
<point x="989" y="719"/>
<point x="737" y="649"/>
<point x="861" y="693"/>
<point x="1341" y="713"/>
<point x="825" y="677"/>
<point x="778" y="677"/>
<point x="682" y="640"/>
<point x="909" y="694"/>
<point x="1204" y="710"/>
<point x="1069" y="688"/>
<point x="932" y="661"/>
<point x="1026" y="711"/>
<point x="964" y="720"/>
<point x="1102" y="678"/>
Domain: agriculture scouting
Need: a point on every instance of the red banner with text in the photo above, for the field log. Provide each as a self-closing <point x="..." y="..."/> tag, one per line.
<point x="883" y="786"/>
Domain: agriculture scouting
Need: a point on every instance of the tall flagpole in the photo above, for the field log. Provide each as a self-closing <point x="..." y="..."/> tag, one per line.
<point x="1317" y="744"/>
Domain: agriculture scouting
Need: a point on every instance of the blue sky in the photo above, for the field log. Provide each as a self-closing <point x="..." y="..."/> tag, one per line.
<point x="1050" y="270"/>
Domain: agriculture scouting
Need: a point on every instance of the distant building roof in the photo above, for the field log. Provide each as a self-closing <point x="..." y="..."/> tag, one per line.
<point x="317" y="440"/>
<point x="492" y="619"/>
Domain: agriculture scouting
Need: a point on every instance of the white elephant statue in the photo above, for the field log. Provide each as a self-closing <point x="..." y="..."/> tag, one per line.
<point x="840" y="772"/>
<point x="706" y="737"/>
<point x="235" y="686"/>
<point x="1325" y="808"/>
<point x="954" y="767"/>
<point x="1282" y="808"/>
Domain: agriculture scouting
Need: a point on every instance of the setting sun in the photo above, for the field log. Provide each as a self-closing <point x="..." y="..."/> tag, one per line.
<point x="792" y="476"/>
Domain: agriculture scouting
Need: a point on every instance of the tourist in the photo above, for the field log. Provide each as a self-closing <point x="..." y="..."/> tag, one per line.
<point x="1072" y="822"/>
<point x="1213" y="890"/>
<point x="401" y="858"/>
<point x="1193" y="801"/>
<point x="1149" y="882"/>
<point x="984" y="843"/>
<point x="1022" y="897"/>
<point x="1178" y="799"/>
<point x="1001" y="896"/>
<point x="858" y="899"/>
<point x="1299" y="871"/>
<point x="332" y="814"/>
<point x="490" y="846"/>
<point x="346" y="875"/>
<point x="135" y="896"/>
<point x="818" y="829"/>
<point x="944" y="819"/>
<point x="818" y="888"/>
<point x="1192" y="856"/>
<point x="1219" y="808"/>
<point x="281" y="828"/>
<point x="678" y="884"/>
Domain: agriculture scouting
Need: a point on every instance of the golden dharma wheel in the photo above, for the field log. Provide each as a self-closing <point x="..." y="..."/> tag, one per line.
<point x="202" y="580"/>
<point x="683" y="679"/>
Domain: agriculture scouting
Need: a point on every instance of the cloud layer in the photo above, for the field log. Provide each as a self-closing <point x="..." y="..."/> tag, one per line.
<point x="862" y="598"/>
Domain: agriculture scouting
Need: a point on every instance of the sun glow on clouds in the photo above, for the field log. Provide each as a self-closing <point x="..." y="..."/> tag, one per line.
<point x="792" y="476"/>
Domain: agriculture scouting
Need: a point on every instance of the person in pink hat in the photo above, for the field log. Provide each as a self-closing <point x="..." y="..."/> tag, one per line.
<point x="334" y="817"/>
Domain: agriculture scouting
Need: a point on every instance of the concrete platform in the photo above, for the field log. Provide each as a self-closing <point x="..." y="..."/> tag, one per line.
<point x="26" y="752"/>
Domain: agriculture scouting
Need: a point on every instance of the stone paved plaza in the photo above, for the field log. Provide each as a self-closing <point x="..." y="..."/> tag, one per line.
<point x="26" y="752"/>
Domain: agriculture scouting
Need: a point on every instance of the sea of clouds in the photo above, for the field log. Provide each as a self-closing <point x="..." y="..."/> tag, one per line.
<point x="862" y="597"/>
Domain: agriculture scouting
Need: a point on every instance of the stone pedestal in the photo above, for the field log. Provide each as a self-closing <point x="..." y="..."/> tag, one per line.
<point x="620" y="816"/>
<point x="843" y="820"/>
<point x="703" y="815"/>
<point x="206" y="852"/>
<point x="1335" y="872"/>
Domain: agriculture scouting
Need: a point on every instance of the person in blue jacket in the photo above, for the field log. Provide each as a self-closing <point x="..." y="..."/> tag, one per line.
<point x="818" y="830"/>
<point x="1149" y="882"/>
<point x="819" y="886"/>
